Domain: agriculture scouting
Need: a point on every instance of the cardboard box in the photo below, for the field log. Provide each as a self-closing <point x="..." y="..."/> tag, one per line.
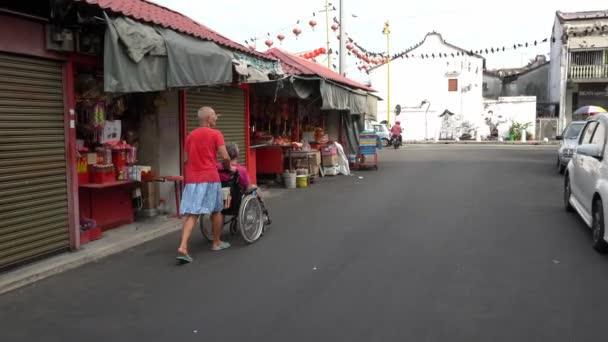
<point x="330" y="160"/>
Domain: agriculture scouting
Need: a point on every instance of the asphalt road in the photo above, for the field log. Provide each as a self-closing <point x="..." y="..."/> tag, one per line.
<point x="444" y="243"/>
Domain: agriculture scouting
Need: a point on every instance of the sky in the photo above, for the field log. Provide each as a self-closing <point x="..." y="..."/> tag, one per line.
<point x="468" y="24"/>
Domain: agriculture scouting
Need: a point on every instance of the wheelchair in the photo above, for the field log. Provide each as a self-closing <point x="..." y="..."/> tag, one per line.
<point x="247" y="213"/>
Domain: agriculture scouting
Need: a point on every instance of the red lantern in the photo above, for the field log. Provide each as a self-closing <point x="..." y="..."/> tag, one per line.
<point x="349" y="46"/>
<point x="297" y="31"/>
<point x="269" y="42"/>
<point x="280" y="37"/>
<point x="312" y="24"/>
<point x="360" y="67"/>
<point x="307" y="55"/>
<point x="323" y="51"/>
<point x="334" y="27"/>
<point x="355" y="51"/>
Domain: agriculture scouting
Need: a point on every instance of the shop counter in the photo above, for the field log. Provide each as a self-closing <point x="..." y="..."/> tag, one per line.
<point x="270" y="159"/>
<point x="109" y="204"/>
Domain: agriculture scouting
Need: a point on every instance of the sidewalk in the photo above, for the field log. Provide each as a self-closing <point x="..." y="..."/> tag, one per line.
<point x="473" y="142"/>
<point x="113" y="241"/>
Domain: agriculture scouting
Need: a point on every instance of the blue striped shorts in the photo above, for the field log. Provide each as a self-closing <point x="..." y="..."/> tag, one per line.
<point x="202" y="199"/>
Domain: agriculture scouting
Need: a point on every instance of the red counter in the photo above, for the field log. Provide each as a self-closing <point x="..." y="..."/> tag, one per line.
<point x="271" y="159"/>
<point x="109" y="204"/>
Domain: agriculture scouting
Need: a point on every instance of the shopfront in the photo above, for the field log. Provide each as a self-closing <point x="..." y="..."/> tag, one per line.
<point x="295" y="121"/>
<point x="93" y="116"/>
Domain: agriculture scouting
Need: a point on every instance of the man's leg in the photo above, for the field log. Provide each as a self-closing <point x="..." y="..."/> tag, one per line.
<point x="186" y="232"/>
<point x="217" y="220"/>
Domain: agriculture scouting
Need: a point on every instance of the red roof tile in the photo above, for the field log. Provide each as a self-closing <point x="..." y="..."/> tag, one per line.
<point x="294" y="65"/>
<point x="152" y="13"/>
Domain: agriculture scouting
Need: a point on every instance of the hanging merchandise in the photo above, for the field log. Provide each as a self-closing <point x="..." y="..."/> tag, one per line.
<point x="111" y="132"/>
<point x="99" y="115"/>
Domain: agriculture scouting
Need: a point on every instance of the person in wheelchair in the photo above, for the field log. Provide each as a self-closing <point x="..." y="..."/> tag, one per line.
<point x="243" y="176"/>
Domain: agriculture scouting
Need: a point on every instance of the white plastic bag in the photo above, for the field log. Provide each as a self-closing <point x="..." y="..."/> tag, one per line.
<point x="342" y="160"/>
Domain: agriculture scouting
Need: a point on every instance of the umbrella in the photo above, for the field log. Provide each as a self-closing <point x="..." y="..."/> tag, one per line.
<point x="589" y="110"/>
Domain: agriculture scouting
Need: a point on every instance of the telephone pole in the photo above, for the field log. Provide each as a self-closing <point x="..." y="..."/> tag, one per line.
<point x="327" y="27"/>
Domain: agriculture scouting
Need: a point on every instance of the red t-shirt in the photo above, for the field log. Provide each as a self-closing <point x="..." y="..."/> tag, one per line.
<point x="202" y="146"/>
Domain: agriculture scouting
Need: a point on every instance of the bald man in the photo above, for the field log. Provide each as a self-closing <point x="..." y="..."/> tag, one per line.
<point x="203" y="191"/>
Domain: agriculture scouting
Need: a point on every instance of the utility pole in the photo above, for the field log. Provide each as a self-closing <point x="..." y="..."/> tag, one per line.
<point x="342" y="50"/>
<point x="387" y="31"/>
<point x="327" y="27"/>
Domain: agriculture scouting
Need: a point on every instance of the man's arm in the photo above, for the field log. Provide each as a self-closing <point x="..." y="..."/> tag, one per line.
<point x="226" y="158"/>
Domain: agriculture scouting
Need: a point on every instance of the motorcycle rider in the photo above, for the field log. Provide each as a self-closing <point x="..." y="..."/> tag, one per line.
<point x="396" y="131"/>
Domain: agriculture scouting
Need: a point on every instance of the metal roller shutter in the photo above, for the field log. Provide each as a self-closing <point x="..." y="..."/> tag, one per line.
<point x="33" y="189"/>
<point x="230" y="104"/>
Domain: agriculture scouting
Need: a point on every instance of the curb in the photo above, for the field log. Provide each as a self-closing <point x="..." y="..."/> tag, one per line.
<point x="497" y="143"/>
<point x="89" y="253"/>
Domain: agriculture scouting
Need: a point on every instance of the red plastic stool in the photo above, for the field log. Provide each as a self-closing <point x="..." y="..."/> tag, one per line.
<point x="177" y="181"/>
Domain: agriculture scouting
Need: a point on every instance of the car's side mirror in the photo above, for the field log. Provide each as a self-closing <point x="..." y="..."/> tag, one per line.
<point x="559" y="137"/>
<point x="590" y="150"/>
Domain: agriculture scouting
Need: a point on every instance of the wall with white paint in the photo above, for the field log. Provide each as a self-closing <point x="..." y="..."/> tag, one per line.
<point x="414" y="80"/>
<point x="521" y="109"/>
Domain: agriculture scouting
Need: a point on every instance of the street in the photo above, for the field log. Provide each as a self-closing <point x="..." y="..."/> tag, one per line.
<point x="443" y="243"/>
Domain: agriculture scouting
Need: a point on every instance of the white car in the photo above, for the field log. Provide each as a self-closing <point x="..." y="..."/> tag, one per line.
<point x="586" y="179"/>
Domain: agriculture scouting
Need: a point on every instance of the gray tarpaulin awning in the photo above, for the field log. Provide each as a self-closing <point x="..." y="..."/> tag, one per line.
<point x="193" y="62"/>
<point x="122" y="74"/>
<point x="142" y="58"/>
<point x="336" y="97"/>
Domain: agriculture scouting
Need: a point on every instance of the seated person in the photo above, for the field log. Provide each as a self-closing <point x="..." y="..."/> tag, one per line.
<point x="233" y="152"/>
<point x="244" y="182"/>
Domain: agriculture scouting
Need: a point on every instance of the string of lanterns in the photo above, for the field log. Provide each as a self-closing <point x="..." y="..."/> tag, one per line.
<point x="314" y="53"/>
<point x="280" y="33"/>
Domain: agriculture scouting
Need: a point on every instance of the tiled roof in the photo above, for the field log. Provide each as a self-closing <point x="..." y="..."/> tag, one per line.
<point x="294" y="65"/>
<point x="152" y="13"/>
<point x="587" y="15"/>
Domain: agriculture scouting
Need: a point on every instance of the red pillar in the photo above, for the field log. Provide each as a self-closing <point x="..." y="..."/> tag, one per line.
<point x="251" y="160"/>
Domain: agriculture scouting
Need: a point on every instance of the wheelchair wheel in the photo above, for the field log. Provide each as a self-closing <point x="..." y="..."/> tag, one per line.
<point x="206" y="227"/>
<point x="251" y="219"/>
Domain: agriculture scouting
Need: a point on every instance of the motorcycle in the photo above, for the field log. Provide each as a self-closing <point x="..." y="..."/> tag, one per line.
<point x="396" y="141"/>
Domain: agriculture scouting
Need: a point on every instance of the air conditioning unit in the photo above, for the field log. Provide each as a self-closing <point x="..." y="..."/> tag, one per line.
<point x="59" y="39"/>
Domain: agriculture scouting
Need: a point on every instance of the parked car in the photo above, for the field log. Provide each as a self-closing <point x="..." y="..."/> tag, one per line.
<point x="586" y="179"/>
<point x="567" y="143"/>
<point x="383" y="133"/>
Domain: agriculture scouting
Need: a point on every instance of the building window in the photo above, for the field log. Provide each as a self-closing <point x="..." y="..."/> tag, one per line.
<point x="453" y="84"/>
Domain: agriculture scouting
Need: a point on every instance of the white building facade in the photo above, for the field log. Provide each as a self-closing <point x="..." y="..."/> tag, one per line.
<point x="427" y="87"/>
<point x="578" y="74"/>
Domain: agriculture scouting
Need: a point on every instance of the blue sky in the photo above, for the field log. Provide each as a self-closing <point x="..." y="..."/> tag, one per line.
<point x="468" y="24"/>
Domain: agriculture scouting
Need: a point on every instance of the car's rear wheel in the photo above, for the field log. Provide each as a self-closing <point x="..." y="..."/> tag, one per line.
<point x="597" y="228"/>
<point x="560" y="167"/>
<point x="385" y="142"/>
<point x="567" y="195"/>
